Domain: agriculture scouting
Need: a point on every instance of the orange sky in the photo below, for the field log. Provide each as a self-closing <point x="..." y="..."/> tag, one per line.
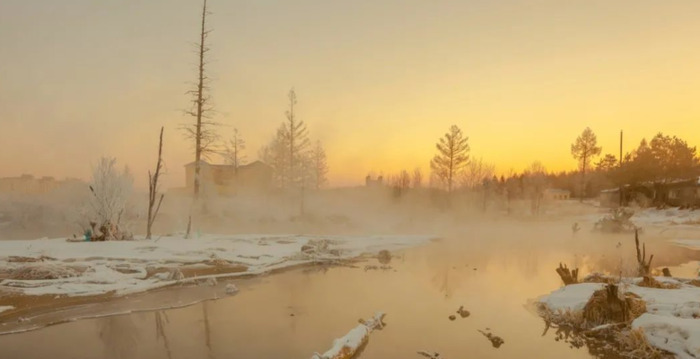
<point x="377" y="81"/>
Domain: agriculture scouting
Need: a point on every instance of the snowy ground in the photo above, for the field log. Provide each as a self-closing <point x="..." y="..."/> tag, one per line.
<point x="672" y="320"/>
<point x="58" y="267"/>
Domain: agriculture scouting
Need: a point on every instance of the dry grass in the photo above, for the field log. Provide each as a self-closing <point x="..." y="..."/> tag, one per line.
<point x="44" y="272"/>
<point x="651" y="282"/>
<point x="599" y="278"/>
<point x="634" y="344"/>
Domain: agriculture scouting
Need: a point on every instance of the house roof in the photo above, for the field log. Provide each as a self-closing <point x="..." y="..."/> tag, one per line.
<point x="249" y="165"/>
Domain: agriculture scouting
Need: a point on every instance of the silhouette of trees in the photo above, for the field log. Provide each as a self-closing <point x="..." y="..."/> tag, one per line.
<point x="607" y="163"/>
<point x="452" y="157"/>
<point x="584" y="149"/>
<point x="535" y="182"/>
<point x="476" y="171"/>
<point x="664" y="158"/>
<point x="417" y="178"/>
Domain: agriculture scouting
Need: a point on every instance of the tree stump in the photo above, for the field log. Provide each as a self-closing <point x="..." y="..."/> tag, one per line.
<point x="566" y="275"/>
<point x="644" y="266"/>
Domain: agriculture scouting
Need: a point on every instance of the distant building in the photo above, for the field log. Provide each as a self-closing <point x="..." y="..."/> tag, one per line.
<point x="556" y="194"/>
<point x="369" y="182"/>
<point x="28" y="184"/>
<point x="227" y="179"/>
<point x="678" y="193"/>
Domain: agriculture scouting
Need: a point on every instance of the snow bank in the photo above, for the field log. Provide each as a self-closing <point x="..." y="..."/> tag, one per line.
<point x="570" y="297"/>
<point x="58" y="267"/>
<point x="672" y="321"/>
<point x="688" y="243"/>
<point x="680" y="336"/>
<point x="6" y="308"/>
<point x="652" y="216"/>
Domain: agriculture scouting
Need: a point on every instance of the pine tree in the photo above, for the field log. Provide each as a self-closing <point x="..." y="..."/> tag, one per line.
<point x="584" y="149"/>
<point x="452" y="157"/>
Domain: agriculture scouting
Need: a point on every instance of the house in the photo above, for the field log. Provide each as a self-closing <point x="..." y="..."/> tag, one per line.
<point x="556" y="194"/>
<point x="28" y="184"/>
<point x="678" y="193"/>
<point x="227" y="179"/>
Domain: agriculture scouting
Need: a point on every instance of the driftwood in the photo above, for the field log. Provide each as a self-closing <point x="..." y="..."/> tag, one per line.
<point x="567" y="276"/>
<point x="352" y="343"/>
<point x="644" y="266"/>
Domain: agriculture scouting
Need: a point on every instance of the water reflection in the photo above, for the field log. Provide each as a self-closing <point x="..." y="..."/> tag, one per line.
<point x="119" y="336"/>
<point x="492" y="272"/>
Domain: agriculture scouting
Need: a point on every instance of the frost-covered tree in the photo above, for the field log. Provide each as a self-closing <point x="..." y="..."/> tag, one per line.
<point x="297" y="141"/>
<point x="234" y="150"/>
<point x="111" y="190"/>
<point x="584" y="149"/>
<point x="320" y="166"/>
<point x="289" y="149"/>
<point x="452" y="156"/>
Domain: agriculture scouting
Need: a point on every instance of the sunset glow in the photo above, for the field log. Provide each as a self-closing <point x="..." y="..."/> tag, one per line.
<point x="377" y="82"/>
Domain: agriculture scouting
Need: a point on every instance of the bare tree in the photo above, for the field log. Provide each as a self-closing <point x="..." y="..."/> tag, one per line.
<point x="452" y="156"/>
<point x="417" y="179"/>
<point x="400" y="182"/>
<point x="202" y="130"/>
<point x="475" y="173"/>
<point x="153" y="189"/>
<point x="535" y="182"/>
<point x="584" y="149"/>
<point x="234" y="150"/>
<point x="320" y="166"/>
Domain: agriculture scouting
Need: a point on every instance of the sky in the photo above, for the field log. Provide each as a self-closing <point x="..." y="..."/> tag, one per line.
<point x="377" y="82"/>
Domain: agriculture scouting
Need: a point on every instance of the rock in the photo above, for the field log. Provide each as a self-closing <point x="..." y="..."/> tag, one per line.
<point x="452" y="317"/>
<point x="463" y="312"/>
<point x="384" y="256"/>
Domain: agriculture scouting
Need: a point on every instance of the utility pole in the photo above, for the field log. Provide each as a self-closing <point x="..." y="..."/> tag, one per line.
<point x="621" y="184"/>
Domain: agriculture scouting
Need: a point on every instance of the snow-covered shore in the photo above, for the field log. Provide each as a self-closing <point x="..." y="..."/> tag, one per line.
<point x="58" y="267"/>
<point x="671" y="321"/>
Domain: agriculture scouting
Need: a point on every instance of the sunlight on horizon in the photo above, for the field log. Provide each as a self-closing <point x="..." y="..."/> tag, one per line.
<point x="378" y="83"/>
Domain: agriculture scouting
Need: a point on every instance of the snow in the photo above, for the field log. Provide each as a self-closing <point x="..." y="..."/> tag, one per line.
<point x="652" y="216"/>
<point x="123" y="267"/>
<point x="347" y="346"/>
<point x="680" y="336"/>
<point x="570" y="297"/>
<point x="688" y="243"/>
<point x="4" y="308"/>
<point x="350" y="342"/>
<point x="672" y="320"/>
